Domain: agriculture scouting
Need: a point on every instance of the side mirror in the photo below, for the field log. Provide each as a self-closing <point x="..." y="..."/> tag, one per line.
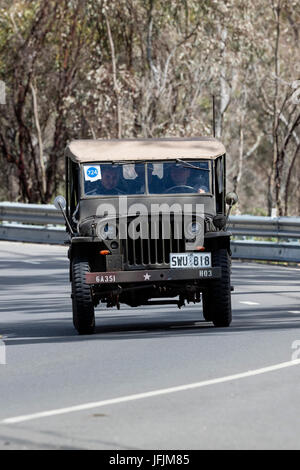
<point x="231" y="199"/>
<point x="60" y="203"/>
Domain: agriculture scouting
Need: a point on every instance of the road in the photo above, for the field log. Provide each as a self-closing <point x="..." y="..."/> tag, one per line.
<point x="141" y="350"/>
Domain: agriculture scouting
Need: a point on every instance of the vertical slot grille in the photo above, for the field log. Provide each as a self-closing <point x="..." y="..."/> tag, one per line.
<point x="154" y="251"/>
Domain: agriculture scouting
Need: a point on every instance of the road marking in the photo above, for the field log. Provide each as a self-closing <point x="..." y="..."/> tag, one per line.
<point x="294" y="311"/>
<point x="154" y="393"/>
<point x="237" y="265"/>
<point x="248" y="302"/>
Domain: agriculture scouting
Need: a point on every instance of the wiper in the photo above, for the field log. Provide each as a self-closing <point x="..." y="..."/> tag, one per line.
<point x="189" y="165"/>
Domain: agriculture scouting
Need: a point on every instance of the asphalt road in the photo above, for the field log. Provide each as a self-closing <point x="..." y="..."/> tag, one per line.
<point x="140" y="350"/>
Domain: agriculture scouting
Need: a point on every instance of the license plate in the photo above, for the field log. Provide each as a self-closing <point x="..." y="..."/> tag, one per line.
<point x="190" y="260"/>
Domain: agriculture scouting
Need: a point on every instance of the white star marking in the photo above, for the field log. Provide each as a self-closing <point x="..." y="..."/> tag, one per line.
<point x="147" y="277"/>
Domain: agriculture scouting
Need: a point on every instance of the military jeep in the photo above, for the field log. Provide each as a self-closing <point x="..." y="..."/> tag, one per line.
<point x="147" y="223"/>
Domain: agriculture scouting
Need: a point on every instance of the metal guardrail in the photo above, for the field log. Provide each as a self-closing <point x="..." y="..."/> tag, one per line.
<point x="285" y="231"/>
<point x="44" y="224"/>
<point x="271" y="227"/>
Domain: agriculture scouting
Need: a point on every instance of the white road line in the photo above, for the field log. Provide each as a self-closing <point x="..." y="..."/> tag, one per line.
<point x="236" y="266"/>
<point x="154" y="393"/>
<point x="248" y="302"/>
<point x="294" y="311"/>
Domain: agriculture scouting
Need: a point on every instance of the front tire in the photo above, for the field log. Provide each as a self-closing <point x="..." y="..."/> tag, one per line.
<point x="217" y="298"/>
<point x="82" y="300"/>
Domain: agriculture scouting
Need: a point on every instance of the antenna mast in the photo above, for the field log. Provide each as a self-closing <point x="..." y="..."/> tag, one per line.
<point x="214" y="116"/>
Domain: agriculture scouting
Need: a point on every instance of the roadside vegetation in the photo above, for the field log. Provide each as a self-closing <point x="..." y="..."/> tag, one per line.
<point x="150" y="68"/>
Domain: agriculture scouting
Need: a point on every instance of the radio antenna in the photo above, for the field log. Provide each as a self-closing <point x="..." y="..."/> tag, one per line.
<point x="214" y="115"/>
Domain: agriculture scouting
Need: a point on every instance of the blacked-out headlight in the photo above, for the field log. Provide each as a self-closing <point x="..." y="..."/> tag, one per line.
<point x="107" y="231"/>
<point x="193" y="229"/>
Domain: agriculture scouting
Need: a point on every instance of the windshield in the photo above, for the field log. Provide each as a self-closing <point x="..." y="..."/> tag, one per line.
<point x="106" y="179"/>
<point x="180" y="177"/>
<point x="109" y="180"/>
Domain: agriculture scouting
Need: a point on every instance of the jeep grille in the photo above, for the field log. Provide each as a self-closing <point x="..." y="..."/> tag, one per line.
<point x="152" y="252"/>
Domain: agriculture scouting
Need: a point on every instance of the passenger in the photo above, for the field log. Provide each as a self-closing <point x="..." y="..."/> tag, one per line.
<point x="109" y="179"/>
<point x="108" y="185"/>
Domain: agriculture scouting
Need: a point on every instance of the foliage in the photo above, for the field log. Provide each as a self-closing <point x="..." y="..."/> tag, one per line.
<point x="148" y="68"/>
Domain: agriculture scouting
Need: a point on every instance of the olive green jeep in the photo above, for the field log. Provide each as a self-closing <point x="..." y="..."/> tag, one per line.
<point x="147" y="223"/>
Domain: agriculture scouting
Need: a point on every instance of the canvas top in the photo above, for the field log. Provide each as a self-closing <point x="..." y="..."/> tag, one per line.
<point x="86" y="151"/>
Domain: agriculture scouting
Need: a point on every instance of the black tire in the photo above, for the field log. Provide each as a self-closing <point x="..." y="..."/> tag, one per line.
<point x="217" y="298"/>
<point x="82" y="301"/>
<point x="206" y="305"/>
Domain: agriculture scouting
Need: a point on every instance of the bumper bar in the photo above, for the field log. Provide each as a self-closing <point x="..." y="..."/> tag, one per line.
<point x="154" y="275"/>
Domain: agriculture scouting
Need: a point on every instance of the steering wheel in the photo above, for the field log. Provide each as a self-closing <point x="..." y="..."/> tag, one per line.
<point x="178" y="189"/>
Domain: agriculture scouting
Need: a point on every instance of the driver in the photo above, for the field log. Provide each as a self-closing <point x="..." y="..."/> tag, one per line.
<point x="179" y="176"/>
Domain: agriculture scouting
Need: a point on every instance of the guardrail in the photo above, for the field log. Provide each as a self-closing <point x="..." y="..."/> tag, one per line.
<point x="44" y="224"/>
<point x="246" y="229"/>
<point x="35" y="223"/>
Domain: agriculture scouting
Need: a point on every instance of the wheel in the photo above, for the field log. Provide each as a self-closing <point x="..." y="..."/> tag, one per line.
<point x="217" y="298"/>
<point x="83" y="307"/>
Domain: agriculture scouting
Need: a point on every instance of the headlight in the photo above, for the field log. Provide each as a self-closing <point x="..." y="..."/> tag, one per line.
<point x="107" y="231"/>
<point x="193" y="229"/>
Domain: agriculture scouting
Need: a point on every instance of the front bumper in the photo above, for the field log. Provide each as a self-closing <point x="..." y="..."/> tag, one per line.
<point x="154" y="275"/>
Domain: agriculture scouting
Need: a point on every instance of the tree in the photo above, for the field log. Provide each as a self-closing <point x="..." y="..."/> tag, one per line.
<point x="149" y="68"/>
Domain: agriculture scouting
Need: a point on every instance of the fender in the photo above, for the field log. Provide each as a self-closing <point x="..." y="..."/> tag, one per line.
<point x="215" y="240"/>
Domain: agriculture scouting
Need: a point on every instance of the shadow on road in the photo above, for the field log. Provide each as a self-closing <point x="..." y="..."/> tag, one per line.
<point x="58" y="330"/>
<point x="29" y="290"/>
